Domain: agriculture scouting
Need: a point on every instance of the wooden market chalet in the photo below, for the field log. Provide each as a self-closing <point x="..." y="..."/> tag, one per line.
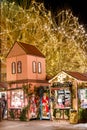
<point x="52" y="99"/>
<point x="69" y="89"/>
<point x="25" y="67"/>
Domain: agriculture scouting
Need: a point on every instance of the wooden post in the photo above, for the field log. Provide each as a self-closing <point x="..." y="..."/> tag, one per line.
<point x="77" y="95"/>
<point x="0" y="61"/>
<point x="51" y="112"/>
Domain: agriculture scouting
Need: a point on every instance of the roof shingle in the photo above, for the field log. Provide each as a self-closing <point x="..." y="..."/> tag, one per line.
<point x="30" y="49"/>
<point x="77" y="75"/>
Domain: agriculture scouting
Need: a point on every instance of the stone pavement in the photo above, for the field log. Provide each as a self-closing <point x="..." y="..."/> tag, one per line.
<point x="41" y="125"/>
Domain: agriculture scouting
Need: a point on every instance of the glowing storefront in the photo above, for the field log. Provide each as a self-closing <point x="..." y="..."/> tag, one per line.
<point x="68" y="91"/>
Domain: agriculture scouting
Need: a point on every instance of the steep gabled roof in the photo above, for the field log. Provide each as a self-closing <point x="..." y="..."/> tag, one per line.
<point x="29" y="49"/>
<point x="77" y="75"/>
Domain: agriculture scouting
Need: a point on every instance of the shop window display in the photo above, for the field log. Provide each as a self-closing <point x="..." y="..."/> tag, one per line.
<point x="17" y="103"/>
<point x="34" y="107"/>
<point x="17" y="98"/>
<point x="83" y="98"/>
<point x="63" y="98"/>
<point x="39" y="104"/>
<point x="45" y="106"/>
<point x="61" y="103"/>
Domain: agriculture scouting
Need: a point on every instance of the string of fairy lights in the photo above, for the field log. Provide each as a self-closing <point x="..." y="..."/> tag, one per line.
<point x="71" y="29"/>
<point x="67" y="25"/>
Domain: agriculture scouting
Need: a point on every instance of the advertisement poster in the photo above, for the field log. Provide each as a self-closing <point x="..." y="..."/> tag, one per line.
<point x="17" y="99"/>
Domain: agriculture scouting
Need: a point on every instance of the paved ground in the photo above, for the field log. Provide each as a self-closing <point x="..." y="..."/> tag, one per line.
<point x="41" y="125"/>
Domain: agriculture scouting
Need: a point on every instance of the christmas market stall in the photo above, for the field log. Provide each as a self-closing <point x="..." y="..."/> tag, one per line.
<point x="61" y="99"/>
<point x="68" y="95"/>
<point x="27" y="104"/>
<point x="26" y="73"/>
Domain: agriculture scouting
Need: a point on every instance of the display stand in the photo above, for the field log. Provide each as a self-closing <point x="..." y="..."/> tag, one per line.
<point x="34" y="106"/>
<point x="45" y="105"/>
<point x="61" y="101"/>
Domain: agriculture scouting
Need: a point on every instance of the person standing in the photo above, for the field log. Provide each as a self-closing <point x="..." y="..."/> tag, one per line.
<point x="0" y="110"/>
<point x="4" y="104"/>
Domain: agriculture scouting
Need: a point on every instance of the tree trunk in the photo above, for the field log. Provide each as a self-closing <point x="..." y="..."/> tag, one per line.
<point x="0" y="60"/>
<point x="0" y="44"/>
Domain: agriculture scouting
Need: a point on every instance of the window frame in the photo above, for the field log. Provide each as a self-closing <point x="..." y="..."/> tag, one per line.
<point x="13" y="68"/>
<point x="19" y="67"/>
<point x="39" y="68"/>
<point x="34" y="67"/>
<point x="17" y="93"/>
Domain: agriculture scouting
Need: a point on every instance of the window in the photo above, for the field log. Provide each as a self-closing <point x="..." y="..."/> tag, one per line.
<point x="34" y="66"/>
<point x="17" y="98"/>
<point x="39" y="67"/>
<point x="13" y="67"/>
<point x="64" y="98"/>
<point x="19" y="67"/>
<point x="83" y="97"/>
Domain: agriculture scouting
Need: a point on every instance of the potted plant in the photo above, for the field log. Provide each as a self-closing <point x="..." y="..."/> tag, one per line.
<point x="12" y="115"/>
<point x="23" y="114"/>
<point x="82" y="115"/>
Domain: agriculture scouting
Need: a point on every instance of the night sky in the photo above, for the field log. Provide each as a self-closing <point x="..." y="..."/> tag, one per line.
<point x="78" y="7"/>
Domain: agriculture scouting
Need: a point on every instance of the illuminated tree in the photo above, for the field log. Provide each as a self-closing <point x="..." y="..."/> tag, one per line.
<point x="73" y="41"/>
<point x="64" y="44"/>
